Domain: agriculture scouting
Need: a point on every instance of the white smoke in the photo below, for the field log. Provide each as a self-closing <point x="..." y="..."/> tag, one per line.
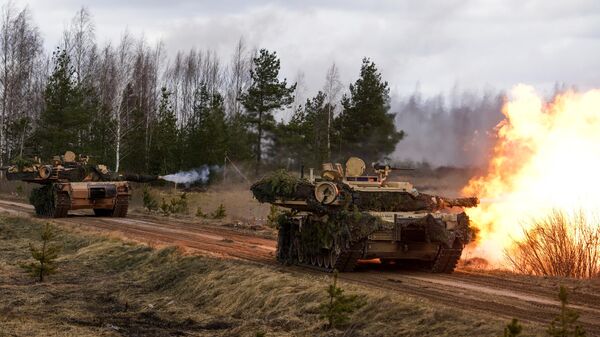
<point x="200" y="174"/>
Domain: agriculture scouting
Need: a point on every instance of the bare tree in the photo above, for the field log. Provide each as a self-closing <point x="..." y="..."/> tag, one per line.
<point x="332" y="89"/>
<point x="238" y="77"/>
<point x="80" y="43"/>
<point x="20" y="63"/>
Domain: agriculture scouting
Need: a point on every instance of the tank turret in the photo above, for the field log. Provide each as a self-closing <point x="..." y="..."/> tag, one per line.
<point x="347" y="214"/>
<point x="71" y="182"/>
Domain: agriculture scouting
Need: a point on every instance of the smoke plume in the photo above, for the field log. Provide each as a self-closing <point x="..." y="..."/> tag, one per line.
<point x="453" y="130"/>
<point x="197" y="175"/>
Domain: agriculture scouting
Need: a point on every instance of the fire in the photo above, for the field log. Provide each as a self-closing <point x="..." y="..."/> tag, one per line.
<point x="547" y="156"/>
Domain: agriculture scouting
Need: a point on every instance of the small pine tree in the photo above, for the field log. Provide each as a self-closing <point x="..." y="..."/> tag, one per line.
<point x="44" y="255"/>
<point x="220" y="212"/>
<point x="165" y="207"/>
<point x="150" y="202"/>
<point x="200" y="213"/>
<point x="339" y="306"/>
<point x="513" y="329"/>
<point x="565" y="325"/>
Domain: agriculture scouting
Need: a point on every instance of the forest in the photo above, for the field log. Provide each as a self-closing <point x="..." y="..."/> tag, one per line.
<point x="129" y="105"/>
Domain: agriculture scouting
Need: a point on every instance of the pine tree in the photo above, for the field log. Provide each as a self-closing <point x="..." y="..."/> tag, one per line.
<point x="206" y="132"/>
<point x="304" y="137"/>
<point x="565" y="325"/>
<point x="44" y="255"/>
<point x="364" y="127"/>
<point x="65" y="120"/>
<point x="165" y="138"/>
<point x="339" y="306"/>
<point x="265" y="95"/>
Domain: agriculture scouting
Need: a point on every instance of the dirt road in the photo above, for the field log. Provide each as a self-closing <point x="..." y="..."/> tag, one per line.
<point x="526" y="298"/>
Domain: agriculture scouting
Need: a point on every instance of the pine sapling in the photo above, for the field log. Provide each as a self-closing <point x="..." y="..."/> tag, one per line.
<point x="45" y="255"/>
<point x="150" y="202"/>
<point x="513" y="329"/>
<point x="219" y="213"/>
<point x="200" y="213"/>
<point x="565" y="324"/>
<point x="338" y="307"/>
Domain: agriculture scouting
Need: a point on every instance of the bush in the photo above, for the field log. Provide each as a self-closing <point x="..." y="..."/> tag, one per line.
<point x="44" y="255"/>
<point x="201" y="214"/>
<point x="219" y="213"/>
<point x="150" y="202"/>
<point x="558" y="245"/>
<point x="513" y="329"/>
<point x="178" y="205"/>
<point x="339" y="306"/>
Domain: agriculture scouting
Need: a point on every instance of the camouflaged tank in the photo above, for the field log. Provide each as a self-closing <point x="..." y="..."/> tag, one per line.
<point x="70" y="182"/>
<point x="345" y="216"/>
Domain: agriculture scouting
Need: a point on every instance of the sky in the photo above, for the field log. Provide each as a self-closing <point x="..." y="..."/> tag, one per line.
<point x="435" y="46"/>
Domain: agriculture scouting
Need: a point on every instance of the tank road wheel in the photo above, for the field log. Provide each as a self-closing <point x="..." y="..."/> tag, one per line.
<point x="313" y="259"/>
<point x="447" y="258"/>
<point x="320" y="260"/>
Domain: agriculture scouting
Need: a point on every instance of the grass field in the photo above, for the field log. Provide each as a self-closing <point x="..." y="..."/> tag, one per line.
<point x="108" y="287"/>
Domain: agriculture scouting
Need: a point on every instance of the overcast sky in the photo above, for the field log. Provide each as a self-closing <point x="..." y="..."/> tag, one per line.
<point x="438" y="44"/>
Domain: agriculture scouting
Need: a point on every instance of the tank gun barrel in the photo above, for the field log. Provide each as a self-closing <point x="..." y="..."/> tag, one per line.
<point x="141" y="178"/>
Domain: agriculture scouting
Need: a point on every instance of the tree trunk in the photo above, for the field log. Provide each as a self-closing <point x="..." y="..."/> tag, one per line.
<point x="259" y="144"/>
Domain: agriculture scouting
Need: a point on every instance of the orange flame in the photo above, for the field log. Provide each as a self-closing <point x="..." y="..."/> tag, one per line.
<point x="547" y="156"/>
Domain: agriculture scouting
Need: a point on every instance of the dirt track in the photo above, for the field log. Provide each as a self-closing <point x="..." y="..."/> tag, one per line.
<point x="526" y="298"/>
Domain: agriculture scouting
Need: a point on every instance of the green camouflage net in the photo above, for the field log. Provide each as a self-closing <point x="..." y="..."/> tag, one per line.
<point x="334" y="231"/>
<point x="42" y="199"/>
<point x="279" y="184"/>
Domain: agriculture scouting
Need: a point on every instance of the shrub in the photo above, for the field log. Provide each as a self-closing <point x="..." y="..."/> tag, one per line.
<point x="219" y="213"/>
<point x="339" y="306"/>
<point x="201" y="214"/>
<point x="178" y="205"/>
<point x="150" y="202"/>
<point x="44" y="255"/>
<point x="559" y="244"/>
<point x="513" y="329"/>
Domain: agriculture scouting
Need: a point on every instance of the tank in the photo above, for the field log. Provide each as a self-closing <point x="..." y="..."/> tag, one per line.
<point x="333" y="221"/>
<point x="70" y="182"/>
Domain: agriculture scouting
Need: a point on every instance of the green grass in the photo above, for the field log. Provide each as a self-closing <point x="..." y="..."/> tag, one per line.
<point x="109" y="287"/>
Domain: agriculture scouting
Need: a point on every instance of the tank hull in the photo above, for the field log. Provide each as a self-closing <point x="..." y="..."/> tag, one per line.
<point x="427" y="241"/>
<point x="55" y="200"/>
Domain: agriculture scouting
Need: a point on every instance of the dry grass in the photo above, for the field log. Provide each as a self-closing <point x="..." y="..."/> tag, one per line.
<point x="111" y="288"/>
<point x="559" y="244"/>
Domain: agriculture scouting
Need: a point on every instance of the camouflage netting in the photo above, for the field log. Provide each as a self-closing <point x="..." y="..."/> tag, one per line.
<point x="334" y="231"/>
<point x="43" y="199"/>
<point x="281" y="185"/>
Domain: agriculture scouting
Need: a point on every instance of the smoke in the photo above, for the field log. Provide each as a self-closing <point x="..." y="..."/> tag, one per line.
<point x="201" y="175"/>
<point x="453" y="130"/>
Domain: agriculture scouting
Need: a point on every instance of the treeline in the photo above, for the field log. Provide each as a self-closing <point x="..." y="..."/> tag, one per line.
<point x="130" y="106"/>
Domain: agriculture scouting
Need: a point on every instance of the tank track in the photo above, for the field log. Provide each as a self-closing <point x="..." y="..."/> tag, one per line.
<point x="447" y="258"/>
<point x="63" y="204"/>
<point x="121" y="206"/>
<point x="288" y="252"/>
